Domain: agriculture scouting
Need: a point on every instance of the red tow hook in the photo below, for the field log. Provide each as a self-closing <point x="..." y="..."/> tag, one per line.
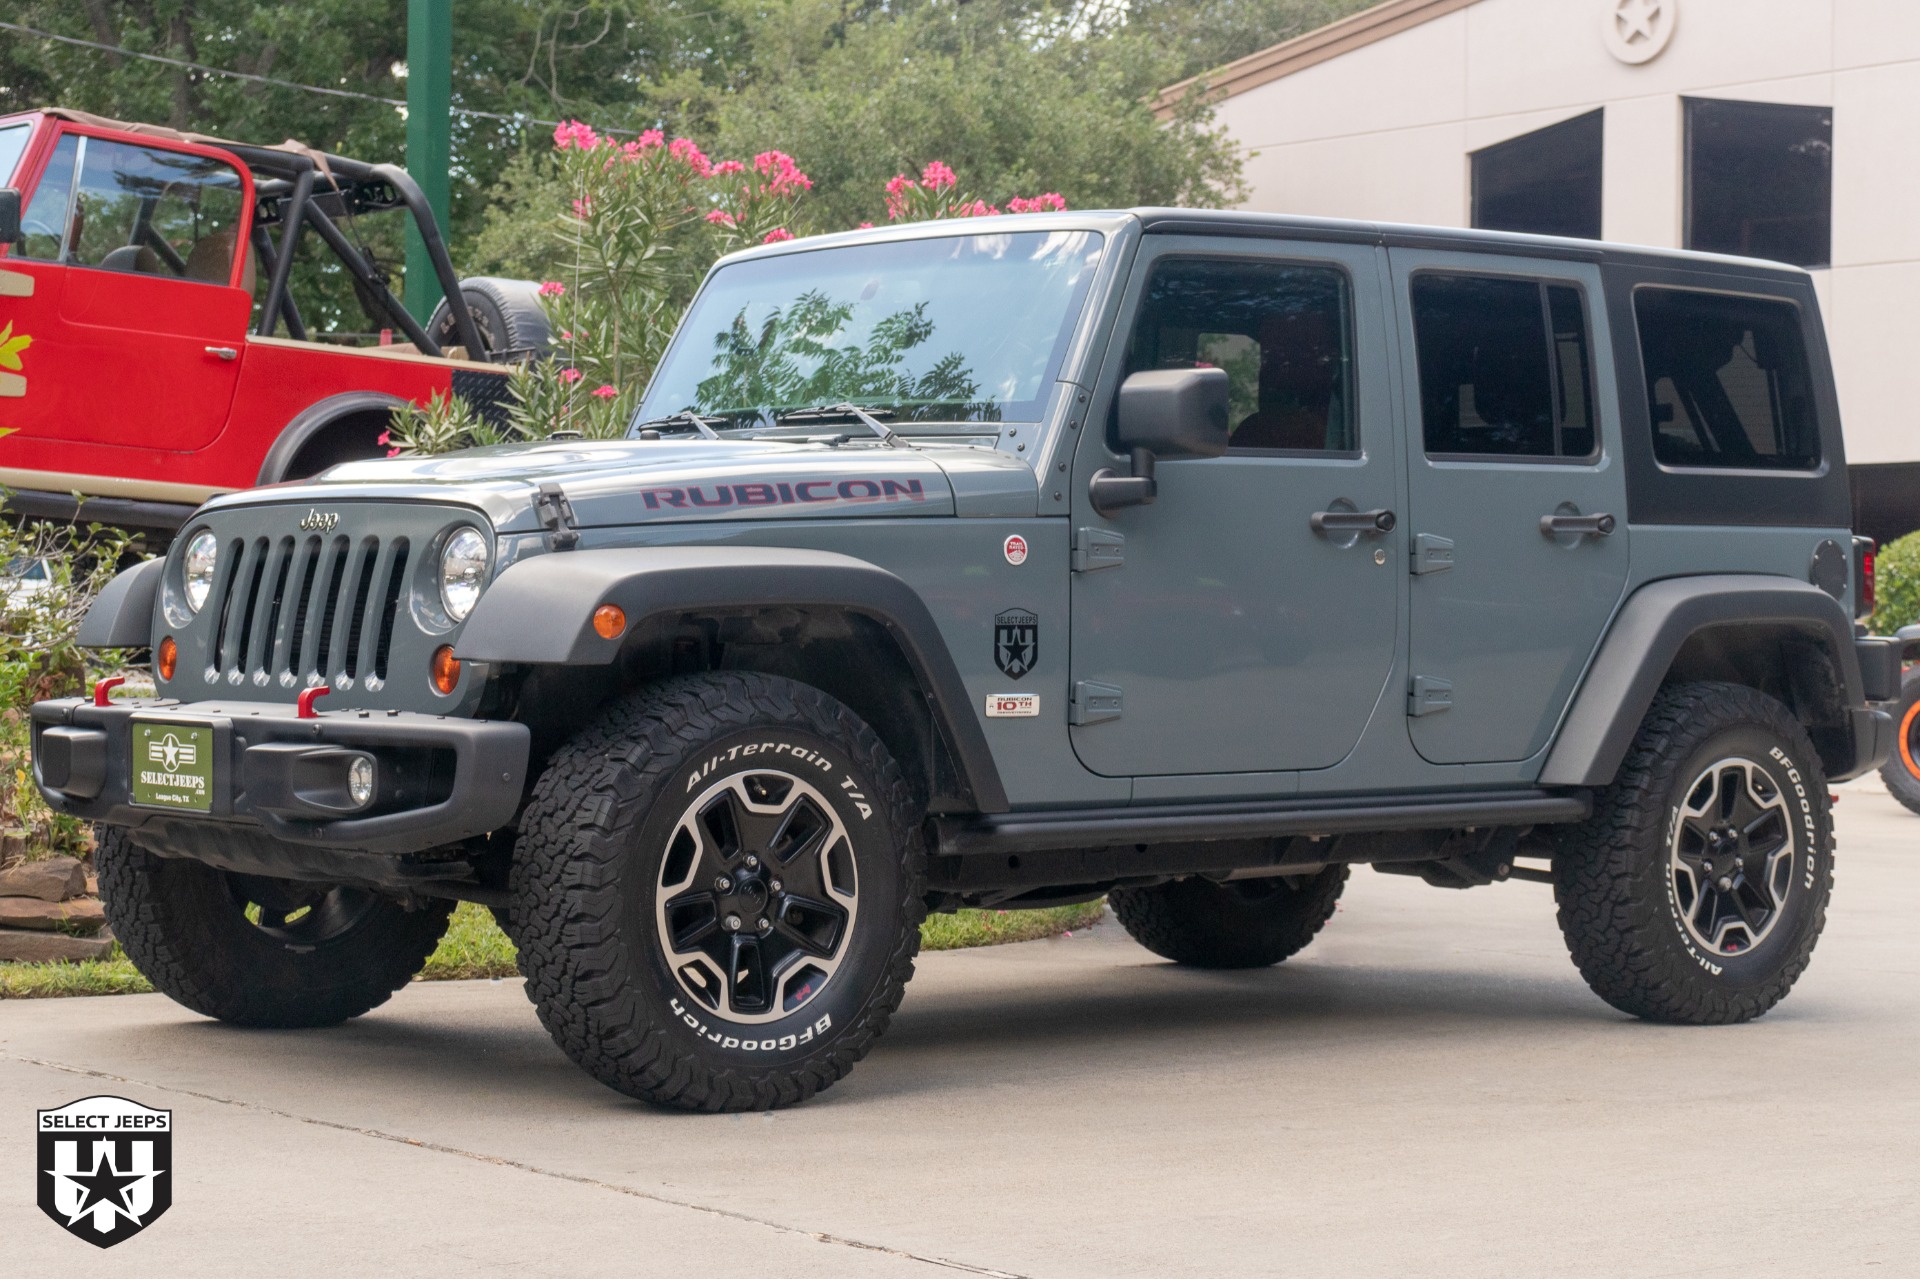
<point x="304" y="707"/>
<point x="105" y="687"/>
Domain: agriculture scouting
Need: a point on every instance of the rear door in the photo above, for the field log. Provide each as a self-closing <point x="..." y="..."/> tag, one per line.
<point x="136" y="319"/>
<point x="1516" y="496"/>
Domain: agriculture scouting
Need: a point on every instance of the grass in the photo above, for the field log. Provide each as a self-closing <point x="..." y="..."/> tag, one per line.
<point x="475" y="947"/>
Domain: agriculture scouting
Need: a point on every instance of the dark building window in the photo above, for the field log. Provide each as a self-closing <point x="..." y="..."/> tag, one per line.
<point x="1546" y="182"/>
<point x="1760" y="180"/>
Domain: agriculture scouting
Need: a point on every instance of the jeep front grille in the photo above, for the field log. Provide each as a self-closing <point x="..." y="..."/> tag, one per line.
<point x="307" y="610"/>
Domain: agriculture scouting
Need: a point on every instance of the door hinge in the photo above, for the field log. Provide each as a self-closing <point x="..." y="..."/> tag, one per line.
<point x="1432" y="554"/>
<point x="1429" y="696"/>
<point x="1093" y="703"/>
<point x="1098" y="548"/>
<point x="556" y="516"/>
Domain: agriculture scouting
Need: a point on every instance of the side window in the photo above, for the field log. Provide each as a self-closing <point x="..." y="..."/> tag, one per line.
<point x="155" y="213"/>
<point x="1282" y="332"/>
<point x="1505" y="367"/>
<point x="13" y="145"/>
<point x="43" y="226"/>
<point x="1727" y="381"/>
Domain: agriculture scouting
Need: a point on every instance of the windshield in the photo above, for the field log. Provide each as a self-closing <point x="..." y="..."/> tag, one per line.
<point x="965" y="328"/>
<point x="13" y="145"/>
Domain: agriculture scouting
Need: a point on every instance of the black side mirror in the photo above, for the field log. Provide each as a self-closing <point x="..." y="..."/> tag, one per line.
<point x="1163" y="413"/>
<point x="9" y="215"/>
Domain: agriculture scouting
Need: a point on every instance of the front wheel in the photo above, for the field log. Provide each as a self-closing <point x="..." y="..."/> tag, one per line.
<point x="718" y="890"/>
<point x="257" y="951"/>
<point x="1698" y="887"/>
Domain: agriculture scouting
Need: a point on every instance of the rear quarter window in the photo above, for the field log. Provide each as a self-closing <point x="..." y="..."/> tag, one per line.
<point x="1727" y="381"/>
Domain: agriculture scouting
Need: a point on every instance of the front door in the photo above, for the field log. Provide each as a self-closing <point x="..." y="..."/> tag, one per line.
<point x="1215" y="630"/>
<point x="1516" y="497"/>
<point x="123" y="284"/>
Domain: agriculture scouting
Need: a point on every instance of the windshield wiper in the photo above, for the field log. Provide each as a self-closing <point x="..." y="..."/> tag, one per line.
<point x="888" y="436"/>
<point x="685" y="417"/>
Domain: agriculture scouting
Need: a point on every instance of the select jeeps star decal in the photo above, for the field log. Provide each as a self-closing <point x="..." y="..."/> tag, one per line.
<point x="105" y="1167"/>
<point x="1016" y="642"/>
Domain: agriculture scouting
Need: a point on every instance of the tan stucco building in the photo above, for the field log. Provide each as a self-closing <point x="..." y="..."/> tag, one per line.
<point x="1781" y="128"/>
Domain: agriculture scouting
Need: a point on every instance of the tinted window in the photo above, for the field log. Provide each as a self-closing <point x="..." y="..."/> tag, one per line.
<point x="155" y="212"/>
<point x="1546" y="182"/>
<point x="1281" y="332"/>
<point x="1727" y="381"/>
<point x="13" y="145"/>
<point x="1760" y="180"/>
<point x="1504" y="367"/>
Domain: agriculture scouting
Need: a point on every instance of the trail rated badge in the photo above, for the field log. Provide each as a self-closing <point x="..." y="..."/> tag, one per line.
<point x="1016" y="642"/>
<point x="106" y="1167"/>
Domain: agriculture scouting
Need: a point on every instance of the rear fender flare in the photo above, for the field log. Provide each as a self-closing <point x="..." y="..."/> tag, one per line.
<point x="1648" y="634"/>
<point x="540" y="612"/>
<point x="313" y="420"/>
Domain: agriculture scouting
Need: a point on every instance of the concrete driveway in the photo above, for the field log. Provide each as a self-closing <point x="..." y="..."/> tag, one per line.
<point x="1430" y="1090"/>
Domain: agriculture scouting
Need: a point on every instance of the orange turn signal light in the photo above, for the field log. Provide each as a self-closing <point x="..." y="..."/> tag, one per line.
<point x="609" y="621"/>
<point x="445" y="670"/>
<point x="166" y="657"/>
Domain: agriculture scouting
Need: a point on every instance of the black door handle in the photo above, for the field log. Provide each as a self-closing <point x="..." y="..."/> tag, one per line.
<point x="1380" y="521"/>
<point x="1586" y="525"/>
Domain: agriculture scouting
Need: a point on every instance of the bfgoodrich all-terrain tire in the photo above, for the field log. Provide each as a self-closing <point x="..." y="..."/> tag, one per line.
<point x="1243" y="923"/>
<point x="256" y="951"/>
<point x="718" y="892"/>
<point x="1696" y="891"/>
<point x="1901" y="772"/>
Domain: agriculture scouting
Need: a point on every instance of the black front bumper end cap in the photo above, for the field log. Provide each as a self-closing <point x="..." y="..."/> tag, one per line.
<point x="441" y="780"/>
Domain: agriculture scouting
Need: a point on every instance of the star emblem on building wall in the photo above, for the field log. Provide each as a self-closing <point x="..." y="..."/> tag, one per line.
<point x="1637" y="31"/>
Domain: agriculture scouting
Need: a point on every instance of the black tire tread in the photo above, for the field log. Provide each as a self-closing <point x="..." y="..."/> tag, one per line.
<point x="566" y="885"/>
<point x="1900" y="781"/>
<point x="1194" y="922"/>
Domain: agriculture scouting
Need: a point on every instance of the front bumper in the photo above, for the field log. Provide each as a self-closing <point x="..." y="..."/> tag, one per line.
<point x="439" y="781"/>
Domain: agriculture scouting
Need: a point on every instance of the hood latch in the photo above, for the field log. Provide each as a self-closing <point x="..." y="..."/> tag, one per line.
<point x="556" y="516"/>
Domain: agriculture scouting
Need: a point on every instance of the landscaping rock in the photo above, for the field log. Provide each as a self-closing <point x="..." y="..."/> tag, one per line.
<point x="19" y="945"/>
<point x="82" y="913"/>
<point x="13" y="846"/>
<point x="53" y="880"/>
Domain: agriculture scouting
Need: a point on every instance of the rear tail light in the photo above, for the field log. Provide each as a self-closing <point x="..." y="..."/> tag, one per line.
<point x="1865" y="550"/>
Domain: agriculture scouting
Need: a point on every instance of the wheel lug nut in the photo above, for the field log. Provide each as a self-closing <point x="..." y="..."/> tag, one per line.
<point x="776" y="887"/>
<point x="1723" y="883"/>
<point x="761" y="925"/>
<point x="732" y="923"/>
<point x="752" y="862"/>
<point x="721" y="883"/>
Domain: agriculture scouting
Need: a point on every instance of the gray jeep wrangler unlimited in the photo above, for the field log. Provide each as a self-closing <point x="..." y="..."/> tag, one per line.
<point x="1186" y="558"/>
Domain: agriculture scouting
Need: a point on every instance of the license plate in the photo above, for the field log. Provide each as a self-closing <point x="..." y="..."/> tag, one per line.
<point x="173" y="766"/>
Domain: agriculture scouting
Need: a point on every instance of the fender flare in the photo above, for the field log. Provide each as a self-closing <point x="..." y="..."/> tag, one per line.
<point x="540" y="612"/>
<point x="1647" y="635"/>
<point x="121" y="616"/>
<point x="315" y="418"/>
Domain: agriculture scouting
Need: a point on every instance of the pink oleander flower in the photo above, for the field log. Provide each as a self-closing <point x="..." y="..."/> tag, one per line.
<point x="650" y="139"/>
<point x="393" y="452"/>
<point x="978" y="209"/>
<point x="552" y="289"/>
<point x="776" y="235"/>
<point x="604" y="392"/>
<point x="569" y="376"/>
<point x="900" y="182"/>
<point x="720" y="217"/>
<point x="385" y="437"/>
<point x="781" y="172"/>
<point x="1051" y="202"/>
<point x="727" y="168"/>
<point x="575" y="134"/>
<point x="684" y="150"/>
<point x="582" y="207"/>
<point x="864" y="226"/>
<point x="937" y="176"/>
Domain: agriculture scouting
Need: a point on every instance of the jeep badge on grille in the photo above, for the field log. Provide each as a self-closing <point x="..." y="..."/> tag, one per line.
<point x="319" y="521"/>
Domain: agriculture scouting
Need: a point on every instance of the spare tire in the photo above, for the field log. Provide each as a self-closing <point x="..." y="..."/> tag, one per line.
<point x="513" y="325"/>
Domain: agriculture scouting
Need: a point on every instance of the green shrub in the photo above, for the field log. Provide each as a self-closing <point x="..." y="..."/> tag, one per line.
<point x="1897" y="586"/>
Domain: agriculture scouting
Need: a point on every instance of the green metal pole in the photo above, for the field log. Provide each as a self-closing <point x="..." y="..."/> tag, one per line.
<point x="429" y="136"/>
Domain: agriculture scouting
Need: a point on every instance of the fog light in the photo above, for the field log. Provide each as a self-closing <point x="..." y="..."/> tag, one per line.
<point x="445" y="670"/>
<point x="609" y="620"/>
<point x="360" y="780"/>
<point x="167" y="655"/>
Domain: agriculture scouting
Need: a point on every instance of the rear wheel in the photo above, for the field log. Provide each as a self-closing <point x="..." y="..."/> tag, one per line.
<point x="257" y="951"/>
<point x="1697" y="889"/>
<point x="1243" y="923"/>
<point x="718" y="890"/>
<point x="1901" y="772"/>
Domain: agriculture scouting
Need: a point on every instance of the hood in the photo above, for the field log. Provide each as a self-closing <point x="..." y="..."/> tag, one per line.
<point x="622" y="482"/>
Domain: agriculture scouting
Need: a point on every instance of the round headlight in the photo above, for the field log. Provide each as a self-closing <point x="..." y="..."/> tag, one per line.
<point x="203" y="556"/>
<point x="463" y="567"/>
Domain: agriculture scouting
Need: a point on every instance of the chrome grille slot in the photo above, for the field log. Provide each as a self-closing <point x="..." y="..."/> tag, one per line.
<point x="376" y="641"/>
<point x="239" y="613"/>
<point x="328" y="586"/>
<point x="347" y="622"/>
<point x="287" y="640"/>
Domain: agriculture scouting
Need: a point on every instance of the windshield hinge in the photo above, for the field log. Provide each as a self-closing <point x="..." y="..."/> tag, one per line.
<point x="556" y="516"/>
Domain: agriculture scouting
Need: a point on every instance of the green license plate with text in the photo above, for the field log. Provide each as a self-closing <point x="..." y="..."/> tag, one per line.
<point x="173" y="766"/>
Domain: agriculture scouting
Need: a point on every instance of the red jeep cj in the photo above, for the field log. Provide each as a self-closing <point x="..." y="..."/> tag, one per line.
<point x="141" y="368"/>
